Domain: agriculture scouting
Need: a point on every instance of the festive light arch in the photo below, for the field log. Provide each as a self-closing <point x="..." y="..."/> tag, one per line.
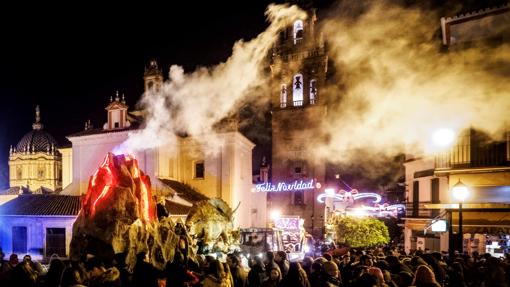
<point x="349" y="196"/>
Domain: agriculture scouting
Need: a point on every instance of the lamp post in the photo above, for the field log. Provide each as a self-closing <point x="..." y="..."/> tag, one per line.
<point x="460" y="192"/>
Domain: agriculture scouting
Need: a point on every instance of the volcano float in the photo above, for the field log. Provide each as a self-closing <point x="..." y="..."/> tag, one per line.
<point x="118" y="215"/>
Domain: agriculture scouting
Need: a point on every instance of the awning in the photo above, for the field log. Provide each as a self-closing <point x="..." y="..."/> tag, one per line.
<point x="480" y="206"/>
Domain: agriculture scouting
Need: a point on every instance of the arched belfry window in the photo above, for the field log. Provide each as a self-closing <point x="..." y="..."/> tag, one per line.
<point x="298" y="30"/>
<point x="283" y="95"/>
<point x="313" y="91"/>
<point x="297" y="91"/>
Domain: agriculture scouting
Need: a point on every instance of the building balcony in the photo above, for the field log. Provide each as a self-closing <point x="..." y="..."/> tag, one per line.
<point x="473" y="152"/>
<point x="419" y="211"/>
<point x="298" y="103"/>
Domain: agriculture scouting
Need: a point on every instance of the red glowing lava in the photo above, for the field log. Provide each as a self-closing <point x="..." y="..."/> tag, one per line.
<point x="118" y="173"/>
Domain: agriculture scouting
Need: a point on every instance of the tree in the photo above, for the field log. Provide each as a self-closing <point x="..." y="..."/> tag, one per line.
<point x="360" y="232"/>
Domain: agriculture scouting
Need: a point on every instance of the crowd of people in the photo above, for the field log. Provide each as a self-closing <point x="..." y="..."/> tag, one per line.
<point x="375" y="267"/>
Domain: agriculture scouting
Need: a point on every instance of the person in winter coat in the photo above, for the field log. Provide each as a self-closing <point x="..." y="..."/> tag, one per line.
<point x="71" y="278"/>
<point x="274" y="279"/>
<point x="270" y="263"/>
<point x="296" y="277"/>
<point x="425" y="277"/>
<point x="330" y="276"/>
<point x="177" y="274"/>
<point x="216" y="275"/>
<point x="144" y="274"/>
<point x="284" y="264"/>
<point x="239" y="276"/>
<point x="257" y="273"/>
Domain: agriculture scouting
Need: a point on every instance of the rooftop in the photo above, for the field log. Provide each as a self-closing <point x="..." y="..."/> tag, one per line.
<point x="42" y="205"/>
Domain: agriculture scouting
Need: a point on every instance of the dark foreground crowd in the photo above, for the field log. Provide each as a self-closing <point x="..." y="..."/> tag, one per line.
<point x="369" y="268"/>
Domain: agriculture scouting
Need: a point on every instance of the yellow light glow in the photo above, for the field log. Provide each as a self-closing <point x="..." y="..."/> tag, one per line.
<point x="359" y="212"/>
<point x="443" y="137"/>
<point x="460" y="191"/>
<point x="329" y="191"/>
<point x="275" y="214"/>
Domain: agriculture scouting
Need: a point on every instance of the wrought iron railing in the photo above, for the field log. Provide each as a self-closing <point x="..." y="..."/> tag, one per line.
<point x="419" y="210"/>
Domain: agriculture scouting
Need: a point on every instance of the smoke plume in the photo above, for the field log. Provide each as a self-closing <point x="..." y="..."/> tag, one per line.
<point x="395" y="83"/>
<point x="194" y="103"/>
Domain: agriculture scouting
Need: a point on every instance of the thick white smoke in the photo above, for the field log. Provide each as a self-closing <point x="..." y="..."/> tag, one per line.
<point x="396" y="85"/>
<point x="193" y="103"/>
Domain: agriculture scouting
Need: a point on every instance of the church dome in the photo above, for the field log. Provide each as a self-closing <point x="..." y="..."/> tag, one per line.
<point x="36" y="140"/>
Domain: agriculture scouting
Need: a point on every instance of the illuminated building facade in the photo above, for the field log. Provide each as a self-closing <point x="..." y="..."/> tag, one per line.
<point x="41" y="224"/>
<point x="480" y="163"/>
<point x="298" y="68"/>
<point x="176" y="170"/>
<point x="38" y="224"/>
<point x="35" y="163"/>
<point x="485" y="169"/>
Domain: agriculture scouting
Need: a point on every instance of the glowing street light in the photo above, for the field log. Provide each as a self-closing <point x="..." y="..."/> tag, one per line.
<point x="275" y="214"/>
<point x="460" y="192"/>
<point x="443" y="137"/>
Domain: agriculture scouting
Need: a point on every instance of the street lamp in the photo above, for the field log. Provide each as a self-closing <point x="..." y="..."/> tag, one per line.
<point x="460" y="192"/>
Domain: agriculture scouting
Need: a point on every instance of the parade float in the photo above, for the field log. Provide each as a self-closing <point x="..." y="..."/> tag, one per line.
<point x="118" y="215"/>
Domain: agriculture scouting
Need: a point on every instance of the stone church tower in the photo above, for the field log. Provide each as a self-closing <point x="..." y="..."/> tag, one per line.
<point x="153" y="76"/>
<point x="35" y="164"/>
<point x="298" y="69"/>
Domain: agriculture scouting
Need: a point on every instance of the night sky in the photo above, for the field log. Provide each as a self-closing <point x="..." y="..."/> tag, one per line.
<point x="71" y="62"/>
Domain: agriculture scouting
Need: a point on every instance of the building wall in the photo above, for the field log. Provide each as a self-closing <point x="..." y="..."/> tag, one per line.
<point x="227" y="173"/>
<point x="226" y="157"/>
<point x="485" y="173"/>
<point x="67" y="166"/>
<point x="296" y="126"/>
<point x="89" y="151"/>
<point x="422" y="170"/>
<point x="36" y="232"/>
<point x="30" y="165"/>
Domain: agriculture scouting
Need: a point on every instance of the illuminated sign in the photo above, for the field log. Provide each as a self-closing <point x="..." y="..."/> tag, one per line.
<point x="439" y="226"/>
<point x="287" y="223"/>
<point x="348" y="196"/>
<point x="282" y="186"/>
<point x="379" y="210"/>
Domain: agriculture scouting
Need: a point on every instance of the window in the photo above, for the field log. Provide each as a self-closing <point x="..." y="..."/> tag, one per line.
<point x="199" y="169"/>
<point x="298" y="31"/>
<point x="283" y="96"/>
<point x="116" y="125"/>
<point x="56" y="241"/>
<point x="299" y="197"/>
<point x="313" y="91"/>
<point x="150" y="84"/>
<point x="297" y="94"/>
<point x="297" y="170"/>
<point x="19" y="172"/>
<point x="19" y="239"/>
<point x="40" y="172"/>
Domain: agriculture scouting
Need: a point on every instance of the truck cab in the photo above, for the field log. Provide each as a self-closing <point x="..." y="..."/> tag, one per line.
<point x="257" y="241"/>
